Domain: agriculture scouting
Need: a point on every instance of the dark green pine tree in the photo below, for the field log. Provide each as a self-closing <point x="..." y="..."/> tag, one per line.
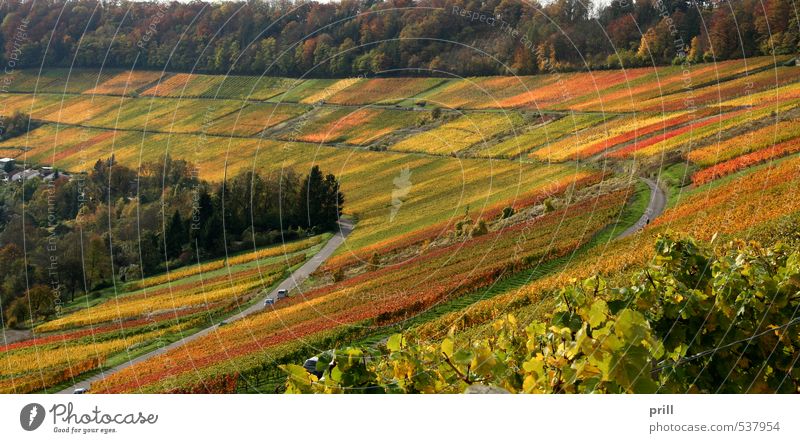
<point x="150" y="252"/>
<point x="312" y="196"/>
<point x="333" y="202"/>
<point x="211" y="237"/>
<point x="201" y="215"/>
<point x="176" y="236"/>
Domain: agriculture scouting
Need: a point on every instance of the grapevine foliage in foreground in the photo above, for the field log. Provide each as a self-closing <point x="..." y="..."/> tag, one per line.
<point x="650" y="336"/>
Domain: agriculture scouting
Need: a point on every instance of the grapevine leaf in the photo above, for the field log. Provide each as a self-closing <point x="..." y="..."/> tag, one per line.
<point x="447" y="347"/>
<point x="598" y="313"/>
<point x="463" y="357"/>
<point x="394" y="343"/>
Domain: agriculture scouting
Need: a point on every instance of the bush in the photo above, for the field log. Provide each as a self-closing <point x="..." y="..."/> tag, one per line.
<point x="507" y="212"/>
<point x="259" y="238"/>
<point x="17" y="125"/>
<point x="549" y="205"/>
<point x="463" y="226"/>
<point x="374" y="260"/>
<point x="678" y="60"/>
<point x="480" y="229"/>
<point x="17" y="313"/>
<point x="338" y="275"/>
<point x="624" y="58"/>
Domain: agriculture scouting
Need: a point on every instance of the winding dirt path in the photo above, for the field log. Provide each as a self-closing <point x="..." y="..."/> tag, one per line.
<point x="658" y="201"/>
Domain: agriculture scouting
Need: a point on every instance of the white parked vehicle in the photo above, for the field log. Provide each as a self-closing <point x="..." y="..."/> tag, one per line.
<point x="81" y="391"/>
<point x="282" y="293"/>
<point x="269" y="302"/>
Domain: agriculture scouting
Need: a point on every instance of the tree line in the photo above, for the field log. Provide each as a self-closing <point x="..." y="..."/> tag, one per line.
<point x="363" y="37"/>
<point x="115" y="224"/>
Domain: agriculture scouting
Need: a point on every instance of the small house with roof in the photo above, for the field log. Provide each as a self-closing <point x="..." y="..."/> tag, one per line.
<point x="7" y="164"/>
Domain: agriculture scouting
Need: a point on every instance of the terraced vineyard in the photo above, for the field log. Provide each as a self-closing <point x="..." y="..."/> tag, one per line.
<point x="707" y="212"/>
<point x="389" y="294"/>
<point x="473" y="198"/>
<point x="145" y="315"/>
<point x="361" y="127"/>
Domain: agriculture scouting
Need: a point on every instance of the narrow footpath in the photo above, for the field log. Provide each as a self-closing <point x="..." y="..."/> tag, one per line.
<point x="658" y="201"/>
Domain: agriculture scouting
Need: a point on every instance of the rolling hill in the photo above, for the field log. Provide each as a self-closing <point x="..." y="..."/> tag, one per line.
<point x="473" y="198"/>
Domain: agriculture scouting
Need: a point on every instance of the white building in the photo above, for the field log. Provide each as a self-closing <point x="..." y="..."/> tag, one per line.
<point x="6" y="161"/>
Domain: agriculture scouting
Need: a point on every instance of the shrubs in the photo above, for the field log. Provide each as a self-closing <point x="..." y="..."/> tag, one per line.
<point x="480" y="229"/>
<point x="338" y="275"/>
<point x="549" y="204"/>
<point x="374" y="260"/>
<point x="462" y="227"/>
<point x="17" y="125"/>
<point x="467" y="227"/>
